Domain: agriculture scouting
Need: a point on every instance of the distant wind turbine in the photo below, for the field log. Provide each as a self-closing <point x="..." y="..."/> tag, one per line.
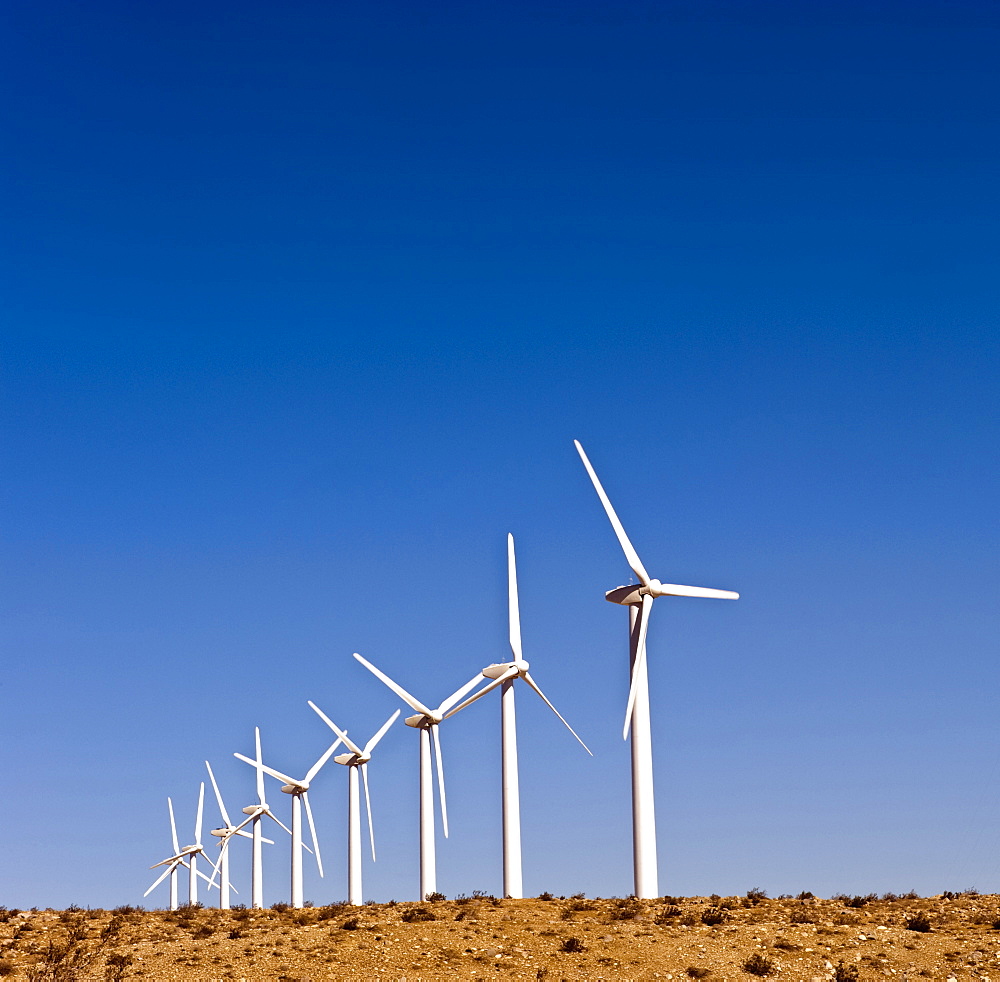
<point x="426" y="721"/>
<point x="639" y="600"/>
<point x="225" y="835"/>
<point x="254" y="814"/>
<point x="186" y="857"/>
<point x="505" y="675"/>
<point x="299" y="790"/>
<point x="356" y="760"/>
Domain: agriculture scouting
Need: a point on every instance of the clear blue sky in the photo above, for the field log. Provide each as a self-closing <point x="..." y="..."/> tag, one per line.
<point x="305" y="304"/>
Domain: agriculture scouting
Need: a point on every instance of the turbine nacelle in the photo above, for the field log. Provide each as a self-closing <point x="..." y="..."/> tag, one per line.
<point x="630" y="595"/>
<point x="295" y="788"/>
<point x="350" y="760"/>
<point x="495" y="671"/>
<point x="254" y="810"/>
<point x="423" y="720"/>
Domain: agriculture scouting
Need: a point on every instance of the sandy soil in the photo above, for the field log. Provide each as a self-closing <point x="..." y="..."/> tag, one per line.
<point x="719" y="939"/>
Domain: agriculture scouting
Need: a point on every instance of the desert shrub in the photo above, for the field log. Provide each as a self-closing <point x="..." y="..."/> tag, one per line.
<point x="755" y="895"/>
<point x="6" y="967"/>
<point x="970" y="892"/>
<point x="334" y="910"/>
<point x="890" y="897"/>
<point x="417" y="914"/>
<point x="572" y="946"/>
<point x="546" y="896"/>
<point x="203" y="931"/>
<point x="235" y="934"/>
<point x="689" y="919"/>
<point x="801" y="916"/>
<point x="113" y="928"/>
<point x="666" y="915"/>
<point x="996" y="924"/>
<point x="918" y="922"/>
<point x="281" y="907"/>
<point x="910" y="895"/>
<point x="805" y="895"/>
<point x="712" y="916"/>
<point x="625" y="910"/>
<point x="758" y="964"/>
<point x="845" y="973"/>
<point x="116" y="966"/>
<point x="351" y="924"/>
<point x="859" y="901"/>
<point x="578" y="896"/>
<point x="727" y="903"/>
<point x="435" y="897"/>
<point x="697" y="971"/>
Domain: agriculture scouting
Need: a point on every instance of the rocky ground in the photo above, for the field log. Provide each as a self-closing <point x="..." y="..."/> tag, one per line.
<point x="954" y="938"/>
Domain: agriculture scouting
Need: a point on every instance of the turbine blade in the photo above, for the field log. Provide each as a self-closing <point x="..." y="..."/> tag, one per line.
<point x="173" y="826"/>
<point x="373" y="742"/>
<point x="350" y="744"/>
<point x="201" y="812"/>
<point x="509" y="674"/>
<point x="274" y="818"/>
<point x="312" y="829"/>
<point x="440" y="770"/>
<point x="218" y="796"/>
<point x="205" y="878"/>
<point x="398" y="689"/>
<point x="531" y="682"/>
<point x="284" y="778"/>
<point x="159" y="880"/>
<point x="218" y="862"/>
<point x="455" y="696"/>
<point x="513" y="611"/>
<point x="631" y="555"/>
<point x="368" y="809"/>
<point x="640" y="658"/>
<point x="164" y="862"/>
<point x="258" y="763"/>
<point x="676" y="590"/>
<point x="314" y="770"/>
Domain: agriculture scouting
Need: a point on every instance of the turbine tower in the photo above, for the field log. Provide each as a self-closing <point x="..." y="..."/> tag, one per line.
<point x="504" y="675"/>
<point x="299" y="790"/>
<point x="639" y="600"/>
<point x="426" y="721"/>
<point x="356" y="760"/>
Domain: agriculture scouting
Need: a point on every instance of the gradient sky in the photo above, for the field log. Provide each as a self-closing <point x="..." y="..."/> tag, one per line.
<point x="305" y="304"/>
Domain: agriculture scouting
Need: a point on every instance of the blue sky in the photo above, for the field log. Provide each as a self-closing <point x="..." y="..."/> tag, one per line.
<point x="305" y="306"/>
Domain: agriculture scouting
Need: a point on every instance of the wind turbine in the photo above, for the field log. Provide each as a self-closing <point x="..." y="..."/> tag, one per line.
<point x="505" y="675"/>
<point x="186" y="857"/>
<point x="225" y="835"/>
<point x="299" y="790"/>
<point x="426" y="721"/>
<point x="255" y="813"/>
<point x="356" y="760"/>
<point x="639" y="600"/>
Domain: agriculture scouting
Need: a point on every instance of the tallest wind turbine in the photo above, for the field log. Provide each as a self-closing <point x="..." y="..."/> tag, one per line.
<point x="639" y="600"/>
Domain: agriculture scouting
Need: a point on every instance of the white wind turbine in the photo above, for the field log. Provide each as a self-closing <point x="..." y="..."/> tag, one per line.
<point x="639" y="600"/>
<point x="505" y="675"/>
<point x="356" y="760"/>
<point x="186" y="857"/>
<point x="299" y="790"/>
<point x="225" y="835"/>
<point x="426" y="721"/>
<point x="255" y="813"/>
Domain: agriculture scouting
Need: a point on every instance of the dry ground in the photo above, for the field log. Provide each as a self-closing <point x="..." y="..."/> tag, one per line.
<point x="718" y="939"/>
